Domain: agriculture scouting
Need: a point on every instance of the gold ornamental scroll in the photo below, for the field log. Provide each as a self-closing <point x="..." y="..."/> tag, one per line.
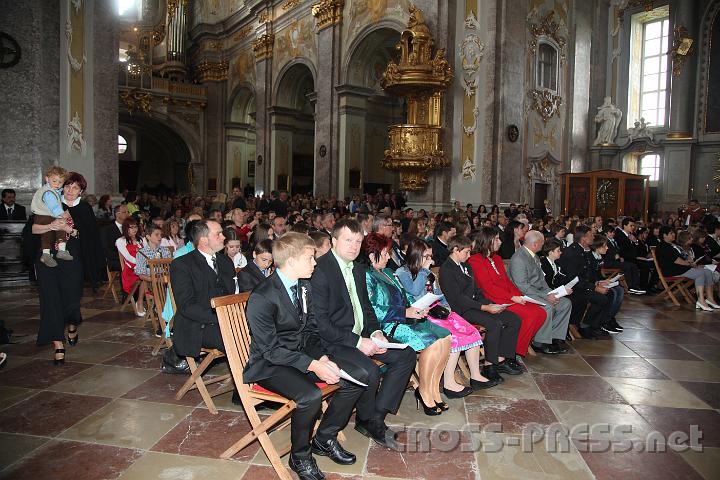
<point x="467" y="149"/>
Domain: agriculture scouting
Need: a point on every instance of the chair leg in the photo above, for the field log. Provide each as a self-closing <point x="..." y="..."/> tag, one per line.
<point x="196" y="373"/>
<point x="259" y="429"/>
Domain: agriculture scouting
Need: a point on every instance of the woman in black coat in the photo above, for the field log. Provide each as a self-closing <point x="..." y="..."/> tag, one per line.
<point x="60" y="287"/>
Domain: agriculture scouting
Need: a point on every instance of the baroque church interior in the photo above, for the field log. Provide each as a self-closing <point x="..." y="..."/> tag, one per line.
<point x="571" y="110"/>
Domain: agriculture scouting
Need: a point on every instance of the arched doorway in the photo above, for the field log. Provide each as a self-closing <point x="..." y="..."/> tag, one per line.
<point x="363" y="128"/>
<point x="292" y="120"/>
<point x="156" y="157"/>
<point x="240" y="139"/>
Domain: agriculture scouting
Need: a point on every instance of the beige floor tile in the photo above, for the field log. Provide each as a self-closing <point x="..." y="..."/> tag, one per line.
<point x="506" y="457"/>
<point x="128" y="423"/>
<point x="604" y="421"/>
<point x="608" y="348"/>
<point x="707" y="462"/>
<point x="163" y="466"/>
<point x="104" y="380"/>
<point x="686" y="370"/>
<point x="92" y="351"/>
<point x="514" y="386"/>
<point x="92" y="329"/>
<point x="224" y="402"/>
<point x="14" y="447"/>
<point x="559" y="364"/>
<point x="659" y="393"/>
<point x="408" y="415"/>
<point x="12" y="395"/>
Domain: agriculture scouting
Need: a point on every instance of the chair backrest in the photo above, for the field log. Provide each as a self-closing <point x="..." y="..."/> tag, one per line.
<point x="160" y="280"/>
<point x="235" y="332"/>
<point x="436" y="271"/>
<point x="663" y="280"/>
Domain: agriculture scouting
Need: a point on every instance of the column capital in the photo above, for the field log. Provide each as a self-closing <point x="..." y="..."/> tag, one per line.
<point x="263" y="46"/>
<point x="328" y="13"/>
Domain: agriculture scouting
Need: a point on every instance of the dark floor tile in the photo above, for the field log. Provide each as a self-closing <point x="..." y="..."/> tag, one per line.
<point x="707" y="392"/>
<point x="115" y="318"/>
<point x="629" y="367"/>
<point x="49" y="413"/>
<point x="65" y="460"/>
<point x="264" y="472"/>
<point x="29" y="349"/>
<point x="41" y="373"/>
<point x="139" y="356"/>
<point x="577" y="388"/>
<point x="668" y="351"/>
<point x="162" y="389"/>
<point x="126" y="334"/>
<point x="712" y="327"/>
<point x="667" y="420"/>
<point x="189" y="437"/>
<point x="610" y="465"/>
<point x="104" y="304"/>
<point x="430" y="455"/>
<point x="690" y="338"/>
<point x="640" y="335"/>
<point x="512" y="414"/>
<point x="25" y="311"/>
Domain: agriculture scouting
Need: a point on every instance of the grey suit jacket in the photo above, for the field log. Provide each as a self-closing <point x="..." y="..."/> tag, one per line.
<point x="526" y="272"/>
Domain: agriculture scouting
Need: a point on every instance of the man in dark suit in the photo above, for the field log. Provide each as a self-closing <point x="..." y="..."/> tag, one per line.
<point x="614" y="259"/>
<point x="196" y="278"/>
<point x="287" y="357"/>
<point x="257" y="269"/>
<point x="348" y="327"/>
<point x="465" y="298"/>
<point x="576" y="261"/>
<point x="383" y="225"/>
<point x="110" y="234"/>
<point x="443" y="233"/>
<point x="11" y="210"/>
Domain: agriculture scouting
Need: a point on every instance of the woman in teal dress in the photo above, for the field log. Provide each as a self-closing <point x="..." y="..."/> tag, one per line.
<point x="405" y="324"/>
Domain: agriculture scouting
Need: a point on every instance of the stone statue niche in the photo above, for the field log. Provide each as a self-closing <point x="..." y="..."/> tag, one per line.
<point x="608" y="116"/>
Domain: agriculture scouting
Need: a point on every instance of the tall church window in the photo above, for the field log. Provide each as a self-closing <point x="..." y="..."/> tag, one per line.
<point x="546" y="67"/>
<point x="650" y="165"/>
<point x="654" y="71"/>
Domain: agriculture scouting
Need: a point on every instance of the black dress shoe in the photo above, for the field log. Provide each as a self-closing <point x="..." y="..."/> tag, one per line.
<point x="476" y="385"/>
<point x="548" y="349"/>
<point x="333" y="450"/>
<point x="173" y="364"/>
<point x="491" y="373"/>
<point x="460" y="394"/>
<point x="601" y="334"/>
<point x="514" y="364"/>
<point x="616" y="325"/>
<point x="507" y="366"/>
<point x="75" y="338"/>
<point x="306" y="468"/>
<point x="561" y="345"/>
<point x="587" y="333"/>
<point x="381" y="436"/>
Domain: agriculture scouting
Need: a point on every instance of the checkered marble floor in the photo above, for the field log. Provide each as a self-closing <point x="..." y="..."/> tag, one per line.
<point x="607" y="409"/>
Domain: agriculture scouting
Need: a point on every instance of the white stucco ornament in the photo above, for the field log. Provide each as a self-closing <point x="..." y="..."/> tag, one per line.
<point x="468" y="170"/>
<point x="75" y="138"/>
<point x="471" y="129"/>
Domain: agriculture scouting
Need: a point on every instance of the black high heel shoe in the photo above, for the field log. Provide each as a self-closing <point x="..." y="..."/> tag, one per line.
<point x="73" y="340"/>
<point x="430" y="411"/>
<point x="61" y="360"/>
<point x="443" y="406"/>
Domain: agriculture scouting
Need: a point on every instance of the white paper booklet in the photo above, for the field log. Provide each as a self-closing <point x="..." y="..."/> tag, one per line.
<point x="612" y="284"/>
<point x="349" y="378"/>
<point x="532" y="300"/>
<point x="711" y="267"/>
<point x="389" y="345"/>
<point x="615" y="279"/>
<point x="426" y="300"/>
<point x="561" y="291"/>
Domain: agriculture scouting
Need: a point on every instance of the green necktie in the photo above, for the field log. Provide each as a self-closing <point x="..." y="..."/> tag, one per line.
<point x="354" y="299"/>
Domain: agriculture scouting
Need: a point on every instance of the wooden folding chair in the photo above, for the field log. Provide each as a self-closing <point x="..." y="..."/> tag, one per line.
<point x="236" y="337"/>
<point x="672" y="285"/>
<point x="111" y="284"/>
<point x="130" y="300"/>
<point x="162" y="290"/>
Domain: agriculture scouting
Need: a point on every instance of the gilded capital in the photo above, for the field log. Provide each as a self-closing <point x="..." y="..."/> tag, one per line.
<point x="136" y="100"/>
<point x="263" y="46"/>
<point x="212" y="71"/>
<point x="328" y="13"/>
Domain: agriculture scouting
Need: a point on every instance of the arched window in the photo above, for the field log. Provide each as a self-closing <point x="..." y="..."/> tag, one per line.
<point x="650" y="165"/>
<point x="127" y="7"/>
<point x="122" y="145"/>
<point x="546" y="69"/>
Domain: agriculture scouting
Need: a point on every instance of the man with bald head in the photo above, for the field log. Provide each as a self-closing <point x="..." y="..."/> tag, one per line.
<point x="526" y="272"/>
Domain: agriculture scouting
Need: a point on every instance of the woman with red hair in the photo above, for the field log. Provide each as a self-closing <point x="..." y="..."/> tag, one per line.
<point x="406" y="324"/>
<point x="128" y="246"/>
<point x="491" y="277"/>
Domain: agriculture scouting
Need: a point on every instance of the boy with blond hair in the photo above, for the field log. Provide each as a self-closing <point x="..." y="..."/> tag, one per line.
<point x="47" y="206"/>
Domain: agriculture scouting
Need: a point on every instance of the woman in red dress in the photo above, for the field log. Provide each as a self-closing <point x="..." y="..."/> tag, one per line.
<point x="490" y="276"/>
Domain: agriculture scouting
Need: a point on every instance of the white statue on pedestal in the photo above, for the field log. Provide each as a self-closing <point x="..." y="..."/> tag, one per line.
<point x="608" y="117"/>
<point x="640" y="130"/>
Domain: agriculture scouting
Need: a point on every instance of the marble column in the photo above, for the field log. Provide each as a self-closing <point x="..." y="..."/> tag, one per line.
<point x="682" y="105"/>
<point x="327" y="133"/>
<point x="215" y="154"/>
<point x="263" y="101"/>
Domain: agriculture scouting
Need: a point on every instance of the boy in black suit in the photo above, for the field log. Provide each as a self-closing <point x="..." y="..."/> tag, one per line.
<point x="348" y="326"/>
<point x="11" y="210"/>
<point x="287" y="356"/>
